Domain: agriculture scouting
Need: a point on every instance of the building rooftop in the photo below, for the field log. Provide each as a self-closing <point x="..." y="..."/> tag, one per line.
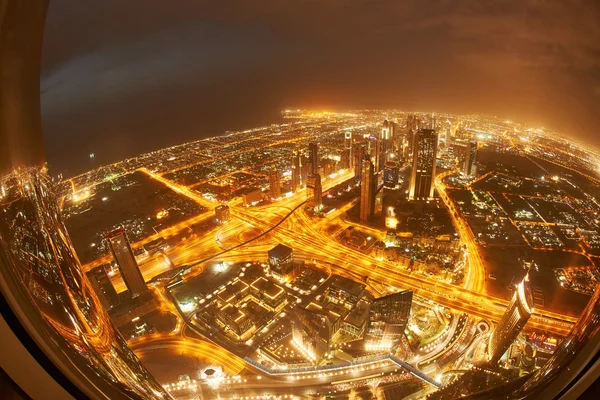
<point x="267" y="287"/>
<point x="280" y="251"/>
<point x="233" y="313"/>
<point x="347" y="285"/>
<point x="359" y="314"/>
<point x="230" y="291"/>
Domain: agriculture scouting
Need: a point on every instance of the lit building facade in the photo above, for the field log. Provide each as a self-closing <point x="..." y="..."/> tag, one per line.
<point x="387" y="319"/>
<point x="314" y="192"/>
<point x="103" y="287"/>
<point x="512" y="322"/>
<point x="281" y="261"/>
<point x="296" y="172"/>
<point x="359" y="154"/>
<point x="411" y="129"/>
<point x="123" y="256"/>
<point x="423" y="168"/>
<point x="385" y="143"/>
<point x="367" y="190"/>
<point x="313" y="158"/>
<point x="469" y="164"/>
<point x="347" y="157"/>
<point x="252" y="196"/>
<point x="222" y="213"/>
<point x="390" y="174"/>
<point x="275" y="183"/>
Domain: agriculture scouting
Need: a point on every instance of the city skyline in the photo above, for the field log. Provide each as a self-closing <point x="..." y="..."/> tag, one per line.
<point x="343" y="310"/>
<point x="519" y="60"/>
<point x="346" y="250"/>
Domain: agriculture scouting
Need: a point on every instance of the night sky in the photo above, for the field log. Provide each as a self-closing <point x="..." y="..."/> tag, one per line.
<point x="122" y="77"/>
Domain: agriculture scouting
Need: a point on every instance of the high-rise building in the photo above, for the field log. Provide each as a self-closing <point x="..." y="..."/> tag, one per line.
<point x="411" y="129"/>
<point x="313" y="157"/>
<point x="367" y="190"/>
<point x="314" y="191"/>
<point x="448" y="134"/>
<point x="390" y="174"/>
<point x="346" y="158"/>
<point x="388" y="317"/>
<point x="375" y="151"/>
<point x="296" y="172"/>
<point x="469" y="164"/>
<point x="130" y="271"/>
<point x="103" y="287"/>
<point x="423" y="168"/>
<point x="304" y="171"/>
<point x="359" y="155"/>
<point x="385" y="143"/>
<point x="512" y="322"/>
<point x="275" y="183"/>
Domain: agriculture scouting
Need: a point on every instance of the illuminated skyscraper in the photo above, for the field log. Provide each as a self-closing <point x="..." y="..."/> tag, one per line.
<point x="388" y="317"/>
<point x="359" y="155"/>
<point x="313" y="157"/>
<point x="274" y="183"/>
<point x="347" y="160"/>
<point x="296" y="172"/>
<point x="469" y="166"/>
<point x="130" y="271"/>
<point x="411" y="129"/>
<point x="304" y="171"/>
<point x="367" y="190"/>
<point x="103" y="287"/>
<point x="385" y="143"/>
<point x="314" y="192"/>
<point x="423" y="169"/>
<point x="512" y="322"/>
<point x="390" y="174"/>
<point x="448" y="134"/>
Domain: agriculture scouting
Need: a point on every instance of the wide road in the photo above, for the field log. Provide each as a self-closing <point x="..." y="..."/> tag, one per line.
<point x="188" y="346"/>
<point x="300" y="231"/>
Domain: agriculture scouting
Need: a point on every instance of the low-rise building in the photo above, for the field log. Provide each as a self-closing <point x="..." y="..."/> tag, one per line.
<point x="234" y="319"/>
<point x="222" y="214"/>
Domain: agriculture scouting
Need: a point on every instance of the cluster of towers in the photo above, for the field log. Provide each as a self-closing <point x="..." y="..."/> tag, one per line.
<point x="130" y="271"/>
<point x="375" y="160"/>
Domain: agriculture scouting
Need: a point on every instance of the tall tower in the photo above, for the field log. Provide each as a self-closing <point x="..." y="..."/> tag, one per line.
<point x="274" y="183"/>
<point x="448" y="133"/>
<point x="304" y="171"/>
<point x="359" y="155"/>
<point x="385" y="140"/>
<point x="313" y="157"/>
<point x="296" y="172"/>
<point x="374" y="150"/>
<point x="512" y="322"/>
<point x="423" y="169"/>
<point x="130" y="271"/>
<point x="411" y="129"/>
<point x="103" y="287"/>
<point x="469" y="166"/>
<point x="347" y="160"/>
<point x="314" y="192"/>
<point x="390" y="174"/>
<point x="367" y="190"/>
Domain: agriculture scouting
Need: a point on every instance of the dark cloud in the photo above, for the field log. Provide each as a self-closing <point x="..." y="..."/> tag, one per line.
<point x="122" y="77"/>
